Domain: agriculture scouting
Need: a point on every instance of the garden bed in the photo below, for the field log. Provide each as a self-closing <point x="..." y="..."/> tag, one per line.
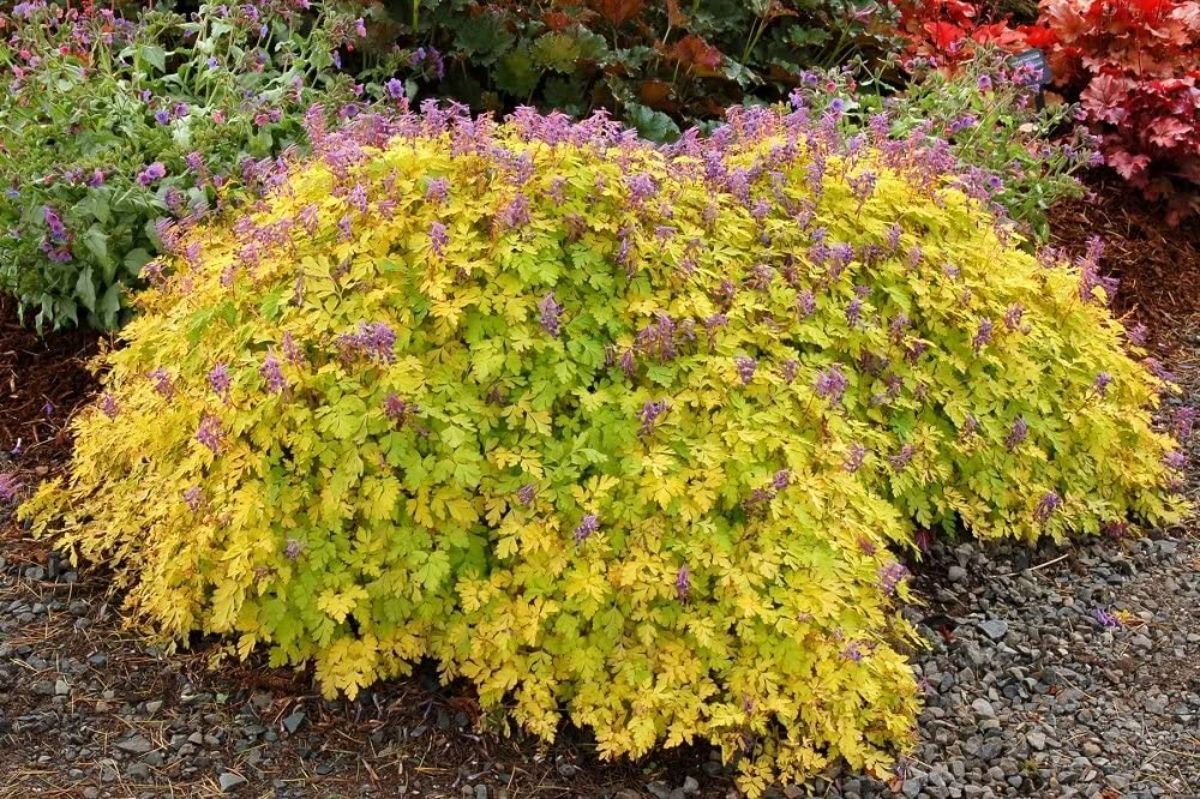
<point x="1029" y="693"/>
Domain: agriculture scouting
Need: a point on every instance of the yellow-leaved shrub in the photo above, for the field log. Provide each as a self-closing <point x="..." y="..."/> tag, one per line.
<point x="629" y="433"/>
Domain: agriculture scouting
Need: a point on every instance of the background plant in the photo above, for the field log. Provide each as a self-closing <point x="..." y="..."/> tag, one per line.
<point x="658" y="66"/>
<point x="1019" y="156"/>
<point x="1136" y="67"/>
<point x="112" y="125"/>
<point x="631" y="433"/>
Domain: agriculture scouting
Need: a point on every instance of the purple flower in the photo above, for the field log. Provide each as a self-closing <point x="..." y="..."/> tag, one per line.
<point x="360" y="27"/>
<point x="641" y="187"/>
<point x="209" y="432"/>
<point x="515" y="213"/>
<point x="587" y="525"/>
<point x="1103" y="381"/>
<point x="805" y="304"/>
<point x="983" y="335"/>
<point x="1137" y="335"/>
<point x="746" y="367"/>
<point x="782" y="479"/>
<point x="395" y="89"/>
<point x="1012" y="317"/>
<point x="1016" y="434"/>
<point x="162" y="382"/>
<point x="1105" y="619"/>
<point x="273" y="374"/>
<point x="683" y="583"/>
<point x="376" y="339"/>
<point x="891" y="575"/>
<point x="902" y="458"/>
<point x="984" y="83"/>
<point x="162" y="116"/>
<point x="855" y="457"/>
<point x="436" y="190"/>
<point x="194" y="498"/>
<point x="108" y="405"/>
<point x="551" y="312"/>
<point x="156" y="171"/>
<point x="10" y="487"/>
<point x="831" y="384"/>
<point x="292" y="549"/>
<point x="1047" y="505"/>
<point x="398" y="410"/>
<point x="526" y="494"/>
<point x="58" y="231"/>
<point x="438" y="238"/>
<point x="789" y="369"/>
<point x="218" y="378"/>
<point x="650" y="413"/>
<point x="852" y="652"/>
<point x="1175" y="460"/>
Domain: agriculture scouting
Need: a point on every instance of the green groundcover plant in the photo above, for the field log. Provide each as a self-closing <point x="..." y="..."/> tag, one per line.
<point x="628" y="433"/>
<point x="111" y="126"/>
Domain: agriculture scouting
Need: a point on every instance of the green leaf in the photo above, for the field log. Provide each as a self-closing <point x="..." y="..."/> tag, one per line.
<point x="153" y="55"/>
<point x="85" y="289"/>
<point x="485" y="39"/>
<point x="653" y="125"/>
<point x="517" y="74"/>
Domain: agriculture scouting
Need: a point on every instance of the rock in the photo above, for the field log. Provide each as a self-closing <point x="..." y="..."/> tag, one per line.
<point x="154" y="706"/>
<point x="995" y="629"/>
<point x="691" y="785"/>
<point x="292" y="722"/>
<point x="983" y="708"/>
<point x="956" y="574"/>
<point x="659" y="789"/>
<point x="137" y="745"/>
<point x="1036" y="740"/>
<point x="230" y="782"/>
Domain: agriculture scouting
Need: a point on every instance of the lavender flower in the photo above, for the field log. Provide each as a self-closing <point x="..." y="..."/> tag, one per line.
<point x="156" y="171"/>
<point x="902" y="458"/>
<point x="1105" y="619"/>
<point x="855" y="457"/>
<point x="398" y="410"/>
<point x="1103" y="381"/>
<point x="437" y="190"/>
<point x="271" y="372"/>
<point x="292" y="549"/>
<point x="782" y="479"/>
<point x="683" y="583"/>
<point x="526" y="494"/>
<point x="194" y="498"/>
<point x="831" y="384"/>
<point x="209" y="433"/>
<point x="983" y="335"/>
<point x="587" y="525"/>
<point x="650" y="413"/>
<point x="108" y="405"/>
<point x="1175" y="460"/>
<point x="789" y="369"/>
<point x="891" y="575"/>
<point x="551" y="312"/>
<point x="853" y="652"/>
<point x="746" y="366"/>
<point x="438" y="238"/>
<point x="1047" y="505"/>
<point x="1012" y="317"/>
<point x="515" y="213"/>
<point x="395" y="89"/>
<point x="162" y="382"/>
<point x="1184" y="421"/>
<point x="805" y="304"/>
<point x="219" y="379"/>
<point x="1016" y="434"/>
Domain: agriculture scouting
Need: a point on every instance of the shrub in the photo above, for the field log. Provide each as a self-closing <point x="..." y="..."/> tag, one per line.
<point x="947" y="31"/>
<point x="655" y="65"/>
<point x="627" y="431"/>
<point x="1137" y="68"/>
<point x="112" y="125"/>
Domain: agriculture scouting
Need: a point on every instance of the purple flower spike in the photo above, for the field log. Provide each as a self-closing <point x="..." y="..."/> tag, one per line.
<point x="156" y="171"/>
<point x="746" y="367"/>
<point x="683" y="583"/>
<point x="219" y="379"/>
<point x="292" y="549"/>
<point x="108" y="405"/>
<point x="438" y="238"/>
<point x="271" y="372"/>
<point x="831" y="384"/>
<point x="650" y="413"/>
<point x="891" y="575"/>
<point x="194" y="498"/>
<point x="526" y="494"/>
<point x="209" y="433"/>
<point x="1049" y="503"/>
<point x="1016" y="434"/>
<point x="551" y="312"/>
<point x="587" y="525"/>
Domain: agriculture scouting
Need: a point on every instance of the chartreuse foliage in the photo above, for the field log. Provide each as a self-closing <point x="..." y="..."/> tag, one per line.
<point x="608" y="429"/>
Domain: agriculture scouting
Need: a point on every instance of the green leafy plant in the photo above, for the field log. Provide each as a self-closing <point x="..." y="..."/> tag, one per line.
<point x="630" y="433"/>
<point x="657" y="66"/>
<point x="112" y="126"/>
